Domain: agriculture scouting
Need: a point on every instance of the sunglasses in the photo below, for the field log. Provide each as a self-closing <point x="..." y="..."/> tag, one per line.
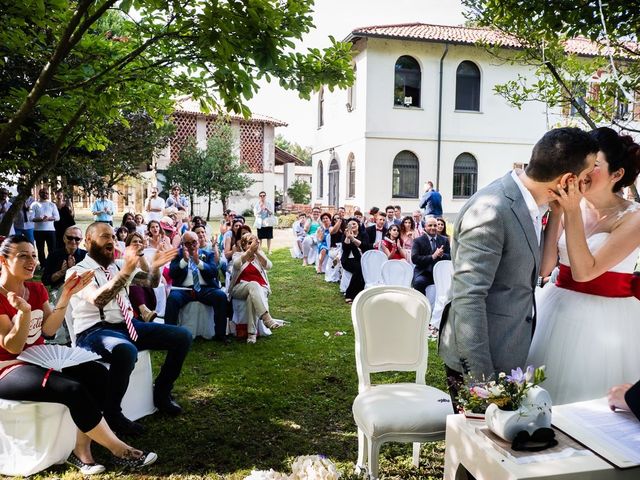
<point x="74" y="239"/>
<point x="537" y="441"/>
<point x="190" y="244"/>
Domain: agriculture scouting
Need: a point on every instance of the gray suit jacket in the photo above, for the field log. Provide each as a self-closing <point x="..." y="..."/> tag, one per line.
<point x="496" y="260"/>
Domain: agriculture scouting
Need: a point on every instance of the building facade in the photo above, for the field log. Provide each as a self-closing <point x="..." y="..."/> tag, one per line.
<point x="423" y="108"/>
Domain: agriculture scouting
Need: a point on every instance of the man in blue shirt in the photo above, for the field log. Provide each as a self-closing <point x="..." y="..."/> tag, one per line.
<point x="431" y="202"/>
<point x="103" y="209"/>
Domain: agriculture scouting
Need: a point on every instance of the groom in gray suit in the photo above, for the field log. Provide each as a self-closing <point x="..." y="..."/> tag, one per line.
<point x="496" y="256"/>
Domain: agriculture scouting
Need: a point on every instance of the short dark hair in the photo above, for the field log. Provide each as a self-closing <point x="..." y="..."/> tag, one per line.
<point x="560" y="151"/>
<point x="621" y="152"/>
<point x="397" y="207"/>
<point x="389" y="207"/>
<point x="130" y="226"/>
<point x="325" y="214"/>
<point x="373" y="210"/>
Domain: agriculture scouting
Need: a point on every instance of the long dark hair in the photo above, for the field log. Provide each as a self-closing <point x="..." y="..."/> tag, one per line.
<point x="621" y="152"/>
<point x="5" y="246"/>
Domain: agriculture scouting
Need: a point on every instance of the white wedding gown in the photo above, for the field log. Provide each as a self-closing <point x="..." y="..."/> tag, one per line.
<point x="588" y="343"/>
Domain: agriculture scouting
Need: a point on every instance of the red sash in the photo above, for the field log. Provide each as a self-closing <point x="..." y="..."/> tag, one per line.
<point x="609" y="284"/>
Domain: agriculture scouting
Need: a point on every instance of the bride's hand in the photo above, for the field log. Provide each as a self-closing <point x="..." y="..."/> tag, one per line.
<point x="568" y="198"/>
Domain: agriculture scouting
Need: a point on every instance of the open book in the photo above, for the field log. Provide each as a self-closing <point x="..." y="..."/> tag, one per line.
<point x="57" y="357"/>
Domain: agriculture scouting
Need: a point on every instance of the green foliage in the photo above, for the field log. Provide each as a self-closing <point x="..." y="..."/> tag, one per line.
<point x="299" y="191"/>
<point x="562" y="79"/>
<point x="187" y="170"/>
<point x="286" y="221"/>
<point x="69" y="70"/>
<point x="303" y="153"/>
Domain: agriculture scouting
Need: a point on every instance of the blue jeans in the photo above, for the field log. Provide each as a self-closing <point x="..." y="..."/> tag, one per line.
<point x="27" y="233"/>
<point x="112" y="342"/>
<point x="212" y="296"/>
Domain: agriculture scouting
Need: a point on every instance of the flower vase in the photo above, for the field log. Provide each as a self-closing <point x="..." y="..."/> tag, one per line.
<point x="533" y="413"/>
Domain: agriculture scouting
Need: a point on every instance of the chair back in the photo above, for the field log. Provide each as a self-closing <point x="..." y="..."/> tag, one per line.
<point x="390" y="325"/>
<point x="371" y="263"/>
<point x="442" y="278"/>
<point x="397" y="272"/>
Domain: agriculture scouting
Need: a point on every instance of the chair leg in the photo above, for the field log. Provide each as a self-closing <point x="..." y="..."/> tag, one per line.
<point x="416" y="454"/>
<point x="362" y="452"/>
<point x="373" y="449"/>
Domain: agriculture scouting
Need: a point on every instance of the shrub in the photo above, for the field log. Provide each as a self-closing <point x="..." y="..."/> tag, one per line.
<point x="247" y="212"/>
<point x="300" y="191"/>
<point x="286" y="221"/>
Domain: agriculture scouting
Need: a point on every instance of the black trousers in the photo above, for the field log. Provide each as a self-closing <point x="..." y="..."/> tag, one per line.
<point x="82" y="389"/>
<point x="42" y="237"/>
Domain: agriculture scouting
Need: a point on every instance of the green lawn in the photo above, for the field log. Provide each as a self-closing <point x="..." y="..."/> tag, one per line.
<point x="260" y="406"/>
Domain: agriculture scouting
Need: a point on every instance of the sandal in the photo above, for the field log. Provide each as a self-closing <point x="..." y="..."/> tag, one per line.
<point x="271" y="324"/>
<point x="348" y="300"/>
<point x="251" y="338"/>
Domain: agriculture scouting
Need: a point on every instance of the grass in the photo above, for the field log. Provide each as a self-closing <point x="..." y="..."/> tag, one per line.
<point x="260" y="406"/>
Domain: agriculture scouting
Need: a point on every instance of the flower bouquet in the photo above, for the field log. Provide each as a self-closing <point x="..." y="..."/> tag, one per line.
<point x="506" y="392"/>
<point x="310" y="467"/>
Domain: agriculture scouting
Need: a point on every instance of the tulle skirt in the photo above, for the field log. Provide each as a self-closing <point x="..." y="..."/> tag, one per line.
<point x="588" y="343"/>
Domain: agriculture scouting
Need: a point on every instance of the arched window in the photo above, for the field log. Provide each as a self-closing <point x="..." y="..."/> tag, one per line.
<point x="406" y="90"/>
<point x="468" y="87"/>
<point x="351" y="178"/>
<point x="465" y="176"/>
<point x="321" y="107"/>
<point x="405" y="175"/>
<point x="320" y="181"/>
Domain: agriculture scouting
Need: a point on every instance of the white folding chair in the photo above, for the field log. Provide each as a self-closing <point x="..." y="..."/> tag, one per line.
<point x="239" y="318"/>
<point x="345" y="280"/>
<point x="442" y="277"/>
<point x="390" y="325"/>
<point x="371" y="263"/>
<point x="397" y="272"/>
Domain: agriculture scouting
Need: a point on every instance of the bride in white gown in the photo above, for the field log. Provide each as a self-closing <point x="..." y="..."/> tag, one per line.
<point x="588" y="322"/>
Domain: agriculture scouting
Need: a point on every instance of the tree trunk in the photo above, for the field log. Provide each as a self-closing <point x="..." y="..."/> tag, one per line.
<point x="224" y="203"/>
<point x="191" y="203"/>
<point x="209" y="207"/>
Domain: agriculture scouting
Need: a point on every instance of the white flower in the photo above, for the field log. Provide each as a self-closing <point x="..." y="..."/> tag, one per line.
<point x="267" y="475"/>
<point x="326" y="334"/>
<point x="502" y="375"/>
<point x="314" y="467"/>
<point x="496" y="390"/>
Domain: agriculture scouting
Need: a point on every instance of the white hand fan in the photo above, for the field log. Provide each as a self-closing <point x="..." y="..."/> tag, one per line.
<point x="57" y="357"/>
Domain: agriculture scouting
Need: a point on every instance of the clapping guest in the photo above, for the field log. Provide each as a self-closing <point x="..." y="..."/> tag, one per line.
<point x="25" y="317"/>
<point x="103" y="209"/>
<point x="141" y="228"/>
<point x="250" y="282"/>
<point x="231" y="236"/>
<point x="391" y="244"/>
<point x="176" y="200"/>
<point x="66" y="213"/>
<point x="323" y="237"/>
<point x="62" y="259"/>
<point x="427" y="250"/>
<point x="310" y="241"/>
<point x="407" y="234"/>
<point x="352" y="248"/>
<point x="442" y="226"/>
<point x="390" y="216"/>
<point x="154" y="205"/>
<point x="375" y="233"/>
<point x="156" y="236"/>
<point x="23" y="222"/>
<point x="143" y="298"/>
<point x="263" y="212"/>
<point x="298" y="230"/>
<point x="45" y="213"/>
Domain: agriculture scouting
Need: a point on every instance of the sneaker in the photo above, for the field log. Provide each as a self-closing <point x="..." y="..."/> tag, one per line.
<point x="131" y="461"/>
<point x="166" y="404"/>
<point x="85" y="468"/>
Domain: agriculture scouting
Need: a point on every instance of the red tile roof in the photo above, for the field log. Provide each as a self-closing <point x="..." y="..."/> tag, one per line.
<point x="188" y="105"/>
<point x="470" y="36"/>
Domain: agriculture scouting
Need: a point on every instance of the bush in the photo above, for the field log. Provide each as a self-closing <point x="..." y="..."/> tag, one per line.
<point x="286" y="221"/>
<point x="247" y="213"/>
<point x="300" y="191"/>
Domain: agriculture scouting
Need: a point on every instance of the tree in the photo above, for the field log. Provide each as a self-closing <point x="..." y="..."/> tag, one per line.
<point x="542" y="27"/>
<point x="299" y="191"/>
<point x="187" y="170"/>
<point x="303" y="153"/>
<point x="68" y="69"/>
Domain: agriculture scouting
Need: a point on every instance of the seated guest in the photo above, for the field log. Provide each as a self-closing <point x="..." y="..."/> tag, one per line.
<point x="407" y="234"/>
<point x="197" y="273"/>
<point x="625" y="397"/>
<point x="373" y="215"/>
<point x="417" y="219"/>
<point x="310" y="241"/>
<point x="351" y="255"/>
<point x="397" y="209"/>
<point x="323" y="237"/>
<point x="141" y="228"/>
<point x="127" y="217"/>
<point x="168" y="225"/>
<point x="237" y="237"/>
<point x="391" y="244"/>
<point x="142" y="298"/>
<point x="298" y="230"/>
<point x="25" y="317"/>
<point x="250" y="282"/>
<point x="391" y="215"/>
<point x="156" y="237"/>
<point x="442" y="227"/>
<point x="63" y="258"/>
<point x="231" y="237"/>
<point x="104" y="323"/>
<point x="427" y="250"/>
<point x="376" y="232"/>
<point x="203" y="241"/>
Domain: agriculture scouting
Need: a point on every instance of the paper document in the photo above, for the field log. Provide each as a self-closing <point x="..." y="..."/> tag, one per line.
<point x="613" y="435"/>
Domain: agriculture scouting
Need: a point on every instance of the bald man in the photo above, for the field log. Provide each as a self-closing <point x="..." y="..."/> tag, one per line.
<point x="195" y="272"/>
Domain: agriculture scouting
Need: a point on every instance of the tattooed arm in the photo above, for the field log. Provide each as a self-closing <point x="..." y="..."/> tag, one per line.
<point x="152" y="277"/>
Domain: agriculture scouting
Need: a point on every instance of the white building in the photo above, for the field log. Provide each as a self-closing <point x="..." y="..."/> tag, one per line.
<point x="423" y="108"/>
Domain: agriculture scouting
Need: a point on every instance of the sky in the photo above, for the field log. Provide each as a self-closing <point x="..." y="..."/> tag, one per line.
<point x="339" y="18"/>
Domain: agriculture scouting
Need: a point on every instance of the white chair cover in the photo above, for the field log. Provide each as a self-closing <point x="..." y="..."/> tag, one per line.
<point x="333" y="268"/>
<point x="198" y="319"/>
<point x="310" y="248"/>
<point x="344" y="281"/>
<point x="371" y="263"/>
<point x="161" y="290"/>
<point x="295" y="250"/>
<point x="397" y="272"/>
<point x="138" y="399"/>
<point x="430" y="293"/>
<point x="390" y="325"/>
<point x="239" y="312"/>
<point x="442" y="277"/>
<point x="34" y="436"/>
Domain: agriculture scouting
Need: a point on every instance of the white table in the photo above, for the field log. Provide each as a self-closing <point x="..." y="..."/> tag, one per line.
<point x="468" y="450"/>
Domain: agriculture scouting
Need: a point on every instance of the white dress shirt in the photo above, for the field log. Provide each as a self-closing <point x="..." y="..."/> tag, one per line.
<point x="84" y="313"/>
<point x="536" y="212"/>
<point x="45" y="209"/>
